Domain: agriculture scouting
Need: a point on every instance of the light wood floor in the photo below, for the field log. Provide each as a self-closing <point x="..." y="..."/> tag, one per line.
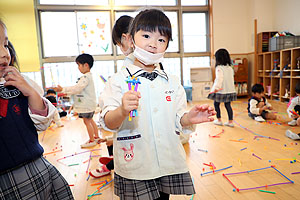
<point x="221" y="152"/>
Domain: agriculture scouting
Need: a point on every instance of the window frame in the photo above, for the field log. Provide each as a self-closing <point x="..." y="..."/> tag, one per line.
<point x="113" y="9"/>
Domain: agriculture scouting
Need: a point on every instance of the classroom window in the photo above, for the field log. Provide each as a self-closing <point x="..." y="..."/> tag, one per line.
<point x="59" y="34"/>
<point x="145" y="2"/>
<point x="74" y="2"/>
<point x="94" y="35"/>
<point x="194" y="37"/>
<point x="193" y="2"/>
<point x="67" y="74"/>
<point x="67" y="31"/>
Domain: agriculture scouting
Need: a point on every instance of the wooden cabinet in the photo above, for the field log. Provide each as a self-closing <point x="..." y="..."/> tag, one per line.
<point x="279" y="72"/>
<point x="263" y="41"/>
<point x="241" y="76"/>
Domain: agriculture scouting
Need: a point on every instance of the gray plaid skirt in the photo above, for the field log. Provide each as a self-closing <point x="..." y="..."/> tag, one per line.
<point x="217" y="97"/>
<point x="129" y="189"/>
<point x="37" y="179"/>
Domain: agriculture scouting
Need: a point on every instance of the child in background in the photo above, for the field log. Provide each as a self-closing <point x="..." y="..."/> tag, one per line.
<point x="51" y="96"/>
<point x="24" y="172"/>
<point x="121" y="37"/>
<point x="258" y="105"/>
<point x="295" y="107"/>
<point x="84" y="97"/>
<point x="223" y="89"/>
<point x="149" y="158"/>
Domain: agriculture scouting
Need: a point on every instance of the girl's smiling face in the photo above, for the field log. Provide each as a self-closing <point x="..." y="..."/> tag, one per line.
<point x="152" y="42"/>
<point x="4" y="52"/>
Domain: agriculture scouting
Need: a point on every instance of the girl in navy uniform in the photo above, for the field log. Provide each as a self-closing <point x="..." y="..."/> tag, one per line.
<point x="149" y="157"/>
<point x="24" y="173"/>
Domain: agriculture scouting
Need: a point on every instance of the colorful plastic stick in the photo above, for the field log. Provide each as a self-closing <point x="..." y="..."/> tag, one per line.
<point x="256" y="156"/>
<point x="87" y="169"/>
<point x="238" y="141"/>
<point x="216" y="91"/>
<point x="103" y="79"/>
<point x="217" y="134"/>
<point x="133" y="83"/>
<point x="267" y="191"/>
<point x="203" y="150"/>
<point x="295" y="173"/>
<point x="243" y="149"/>
<point x="294" y="113"/>
<point x="257" y="135"/>
<point x="52" y="152"/>
<point x="215" y="170"/>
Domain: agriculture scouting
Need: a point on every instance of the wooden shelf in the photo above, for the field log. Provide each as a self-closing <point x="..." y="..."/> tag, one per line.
<point x="241" y="77"/>
<point x="289" y="78"/>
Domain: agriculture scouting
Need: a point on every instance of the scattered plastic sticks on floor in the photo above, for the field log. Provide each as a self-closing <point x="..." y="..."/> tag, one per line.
<point x="256" y="156"/>
<point x="258" y="135"/>
<point x="251" y="188"/>
<point x="216" y="136"/>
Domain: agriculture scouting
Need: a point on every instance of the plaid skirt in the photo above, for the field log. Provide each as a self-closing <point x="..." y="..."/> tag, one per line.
<point x="37" y="179"/>
<point x="129" y="189"/>
<point x="218" y="97"/>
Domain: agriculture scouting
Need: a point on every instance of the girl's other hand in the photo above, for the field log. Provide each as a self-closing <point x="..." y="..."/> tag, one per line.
<point x="130" y="101"/>
<point x="13" y="78"/>
<point x="201" y="113"/>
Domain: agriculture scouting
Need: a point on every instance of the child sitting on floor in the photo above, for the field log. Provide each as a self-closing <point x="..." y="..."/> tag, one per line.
<point x="294" y="107"/>
<point x="258" y="105"/>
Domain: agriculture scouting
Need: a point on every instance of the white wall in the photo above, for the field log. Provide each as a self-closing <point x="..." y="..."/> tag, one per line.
<point x="233" y="21"/>
<point x="287" y="16"/>
<point x="230" y="25"/>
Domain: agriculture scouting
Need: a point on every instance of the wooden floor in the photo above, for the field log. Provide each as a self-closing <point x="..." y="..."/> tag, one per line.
<point x="222" y="152"/>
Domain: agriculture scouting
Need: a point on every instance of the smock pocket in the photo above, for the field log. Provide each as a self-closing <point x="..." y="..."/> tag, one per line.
<point x="129" y="151"/>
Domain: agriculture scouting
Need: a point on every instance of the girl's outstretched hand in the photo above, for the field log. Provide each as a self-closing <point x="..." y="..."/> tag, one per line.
<point x="200" y="113"/>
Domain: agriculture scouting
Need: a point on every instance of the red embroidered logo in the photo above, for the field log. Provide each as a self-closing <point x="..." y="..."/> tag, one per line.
<point x="17" y="109"/>
<point x="168" y="98"/>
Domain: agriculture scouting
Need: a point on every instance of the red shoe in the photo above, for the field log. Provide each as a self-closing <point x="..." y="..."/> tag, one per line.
<point x="105" y="160"/>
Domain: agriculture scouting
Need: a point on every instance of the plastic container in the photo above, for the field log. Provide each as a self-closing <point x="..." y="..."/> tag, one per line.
<point x="283" y="42"/>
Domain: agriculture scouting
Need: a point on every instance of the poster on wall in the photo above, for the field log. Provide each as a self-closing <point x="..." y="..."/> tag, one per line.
<point x="94" y="32"/>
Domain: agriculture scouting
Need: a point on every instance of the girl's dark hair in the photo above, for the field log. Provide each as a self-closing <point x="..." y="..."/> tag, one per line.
<point x="222" y="57"/>
<point x="257" y="88"/>
<point x="297" y="88"/>
<point x="85" y="58"/>
<point x="121" y="26"/>
<point x="152" y="20"/>
<point x="13" y="61"/>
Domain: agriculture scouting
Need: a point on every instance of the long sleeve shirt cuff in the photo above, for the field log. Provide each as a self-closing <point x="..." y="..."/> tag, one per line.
<point x="43" y="113"/>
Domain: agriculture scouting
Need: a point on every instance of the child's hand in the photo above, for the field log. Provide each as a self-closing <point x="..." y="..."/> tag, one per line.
<point x="101" y="140"/>
<point x="200" y="113"/>
<point x="13" y="78"/>
<point x="260" y="104"/>
<point x="294" y="116"/>
<point x="298" y="121"/>
<point x="58" y="88"/>
<point x="130" y="101"/>
<point x="270" y="108"/>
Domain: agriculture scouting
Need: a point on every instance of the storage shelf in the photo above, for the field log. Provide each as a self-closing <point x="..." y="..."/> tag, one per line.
<point x="289" y="78"/>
